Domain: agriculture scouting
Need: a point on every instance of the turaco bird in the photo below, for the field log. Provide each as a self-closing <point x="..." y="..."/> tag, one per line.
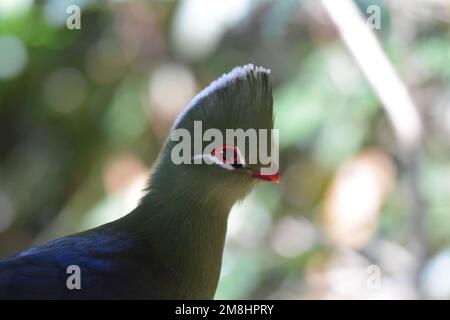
<point x="170" y="246"/>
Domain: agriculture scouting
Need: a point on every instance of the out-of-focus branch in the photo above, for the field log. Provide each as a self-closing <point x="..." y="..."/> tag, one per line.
<point x="397" y="103"/>
<point x="372" y="60"/>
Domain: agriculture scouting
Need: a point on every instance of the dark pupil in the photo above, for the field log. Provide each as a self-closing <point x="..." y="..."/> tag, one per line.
<point x="228" y="154"/>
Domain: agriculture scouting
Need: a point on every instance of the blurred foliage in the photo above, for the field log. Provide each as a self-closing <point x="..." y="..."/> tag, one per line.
<point x="83" y="114"/>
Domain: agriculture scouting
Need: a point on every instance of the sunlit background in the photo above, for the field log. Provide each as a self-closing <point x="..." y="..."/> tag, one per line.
<point x="363" y="208"/>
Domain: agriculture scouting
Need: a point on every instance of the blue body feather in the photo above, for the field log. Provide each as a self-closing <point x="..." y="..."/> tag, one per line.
<point x="103" y="257"/>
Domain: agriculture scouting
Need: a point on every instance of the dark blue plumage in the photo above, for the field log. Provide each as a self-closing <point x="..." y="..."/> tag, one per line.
<point x="171" y="245"/>
<point x="40" y="272"/>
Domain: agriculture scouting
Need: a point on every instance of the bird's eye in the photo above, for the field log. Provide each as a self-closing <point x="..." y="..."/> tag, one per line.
<point x="227" y="153"/>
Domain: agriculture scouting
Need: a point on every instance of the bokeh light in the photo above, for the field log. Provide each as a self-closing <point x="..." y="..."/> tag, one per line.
<point x="13" y="59"/>
<point x="171" y="86"/>
<point x="65" y="90"/>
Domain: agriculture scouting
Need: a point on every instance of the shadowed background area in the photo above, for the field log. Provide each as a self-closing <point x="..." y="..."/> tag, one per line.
<point x="359" y="212"/>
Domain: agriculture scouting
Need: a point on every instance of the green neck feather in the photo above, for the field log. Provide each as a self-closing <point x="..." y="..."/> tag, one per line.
<point x="185" y="227"/>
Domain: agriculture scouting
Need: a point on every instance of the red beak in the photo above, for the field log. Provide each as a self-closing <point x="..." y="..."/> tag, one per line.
<point x="266" y="177"/>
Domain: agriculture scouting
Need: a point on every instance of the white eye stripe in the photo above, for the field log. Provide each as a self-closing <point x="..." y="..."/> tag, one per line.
<point x="210" y="159"/>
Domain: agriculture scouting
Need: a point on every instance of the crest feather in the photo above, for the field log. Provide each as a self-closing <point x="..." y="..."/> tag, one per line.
<point x="241" y="98"/>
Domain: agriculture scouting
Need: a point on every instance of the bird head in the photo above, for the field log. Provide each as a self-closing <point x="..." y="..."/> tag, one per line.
<point x="239" y="108"/>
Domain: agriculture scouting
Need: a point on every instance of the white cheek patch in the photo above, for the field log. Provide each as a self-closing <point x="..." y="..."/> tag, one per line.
<point x="210" y="159"/>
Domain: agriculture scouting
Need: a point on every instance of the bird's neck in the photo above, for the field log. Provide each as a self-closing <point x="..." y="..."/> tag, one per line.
<point x="186" y="232"/>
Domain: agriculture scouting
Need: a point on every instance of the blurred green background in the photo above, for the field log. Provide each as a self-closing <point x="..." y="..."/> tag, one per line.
<point x="83" y="114"/>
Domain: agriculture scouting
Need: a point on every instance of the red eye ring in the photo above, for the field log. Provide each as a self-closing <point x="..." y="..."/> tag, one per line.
<point x="227" y="153"/>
